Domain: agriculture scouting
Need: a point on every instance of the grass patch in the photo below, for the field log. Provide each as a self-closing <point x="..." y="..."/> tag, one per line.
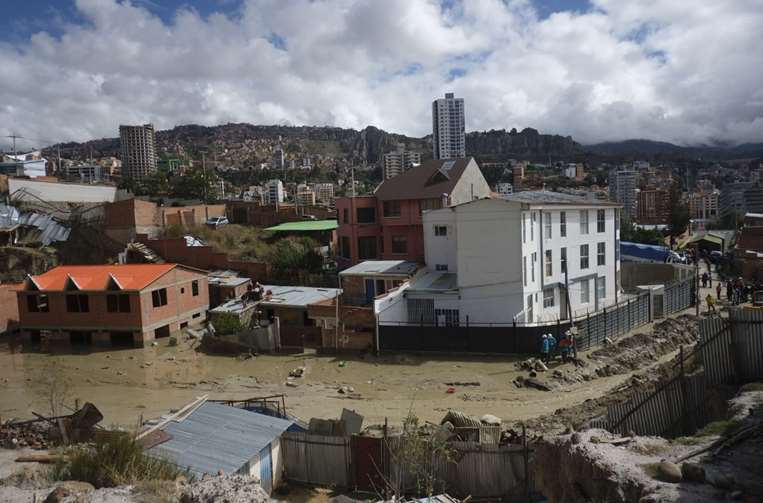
<point x="156" y="491"/>
<point x="652" y="469"/>
<point x="687" y="441"/>
<point x="717" y="428"/>
<point x="112" y="461"/>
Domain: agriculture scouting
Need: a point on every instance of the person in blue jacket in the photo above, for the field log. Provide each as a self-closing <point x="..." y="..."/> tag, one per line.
<point x="545" y="348"/>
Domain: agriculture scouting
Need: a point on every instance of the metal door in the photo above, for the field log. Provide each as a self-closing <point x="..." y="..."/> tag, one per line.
<point x="266" y="469"/>
<point x="370" y="291"/>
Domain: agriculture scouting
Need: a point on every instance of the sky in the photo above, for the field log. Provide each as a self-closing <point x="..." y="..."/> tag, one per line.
<point x="597" y="70"/>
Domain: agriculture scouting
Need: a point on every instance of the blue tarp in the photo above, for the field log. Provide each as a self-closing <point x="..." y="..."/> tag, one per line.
<point x="643" y="253"/>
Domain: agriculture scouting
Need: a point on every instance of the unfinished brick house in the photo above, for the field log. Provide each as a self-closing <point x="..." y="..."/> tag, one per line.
<point x="119" y="305"/>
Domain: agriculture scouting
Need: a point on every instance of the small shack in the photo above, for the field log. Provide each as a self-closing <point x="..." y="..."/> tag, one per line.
<point x="216" y="437"/>
<point x="225" y="285"/>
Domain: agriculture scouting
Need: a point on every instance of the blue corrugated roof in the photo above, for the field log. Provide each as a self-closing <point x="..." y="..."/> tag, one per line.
<point x="643" y="251"/>
<point x="218" y="437"/>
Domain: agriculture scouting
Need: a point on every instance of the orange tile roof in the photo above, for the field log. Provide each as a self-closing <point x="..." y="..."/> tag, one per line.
<point x="97" y="277"/>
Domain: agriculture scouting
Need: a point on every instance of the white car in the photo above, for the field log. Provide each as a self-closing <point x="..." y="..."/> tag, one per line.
<point x="216" y="222"/>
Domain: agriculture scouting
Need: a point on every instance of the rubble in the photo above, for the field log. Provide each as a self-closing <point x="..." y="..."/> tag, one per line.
<point x="231" y="489"/>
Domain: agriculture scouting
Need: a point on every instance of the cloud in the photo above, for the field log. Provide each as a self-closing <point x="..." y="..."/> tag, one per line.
<point x="642" y="69"/>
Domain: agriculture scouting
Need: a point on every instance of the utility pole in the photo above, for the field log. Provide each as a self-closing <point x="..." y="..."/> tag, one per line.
<point x="204" y="171"/>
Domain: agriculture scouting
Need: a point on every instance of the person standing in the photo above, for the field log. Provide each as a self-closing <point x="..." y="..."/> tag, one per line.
<point x="718" y="290"/>
<point x="545" y="346"/>
<point x="710" y="303"/>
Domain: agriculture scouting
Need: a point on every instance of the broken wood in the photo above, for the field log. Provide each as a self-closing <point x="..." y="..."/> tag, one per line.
<point x="40" y="458"/>
<point x="534" y="383"/>
<point x="177" y="416"/>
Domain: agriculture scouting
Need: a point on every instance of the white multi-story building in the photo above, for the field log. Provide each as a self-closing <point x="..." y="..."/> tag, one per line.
<point x="324" y="192"/>
<point x="532" y="257"/>
<point x="138" y="150"/>
<point x="504" y="189"/>
<point x="704" y="205"/>
<point x="305" y="198"/>
<point x="623" y="183"/>
<point x="274" y="194"/>
<point x="399" y="161"/>
<point x="448" y="128"/>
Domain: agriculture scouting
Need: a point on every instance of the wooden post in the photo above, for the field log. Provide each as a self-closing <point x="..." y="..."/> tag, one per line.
<point x="526" y="456"/>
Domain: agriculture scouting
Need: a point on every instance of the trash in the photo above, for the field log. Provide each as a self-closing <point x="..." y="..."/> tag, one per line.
<point x="291" y="384"/>
<point x="343" y="363"/>
<point x="154" y="343"/>
<point x="458" y="383"/>
<point x="173" y="341"/>
<point x="450" y="390"/>
<point x="490" y="419"/>
<point x="297" y="372"/>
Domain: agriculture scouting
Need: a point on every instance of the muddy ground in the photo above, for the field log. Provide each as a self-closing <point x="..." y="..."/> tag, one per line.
<point x="129" y="384"/>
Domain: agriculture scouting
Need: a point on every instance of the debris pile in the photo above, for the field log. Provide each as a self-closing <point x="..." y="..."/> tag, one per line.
<point x="34" y="436"/>
<point x="231" y="489"/>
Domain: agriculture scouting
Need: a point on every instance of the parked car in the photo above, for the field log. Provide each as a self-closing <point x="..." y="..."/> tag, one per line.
<point x="216" y="222"/>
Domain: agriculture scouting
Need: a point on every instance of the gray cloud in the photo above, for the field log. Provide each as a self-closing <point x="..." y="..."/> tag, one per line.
<point x="642" y="69"/>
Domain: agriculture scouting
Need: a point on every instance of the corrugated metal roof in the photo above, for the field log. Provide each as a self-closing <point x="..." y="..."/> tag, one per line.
<point x="435" y="281"/>
<point x="548" y="197"/>
<point x="305" y="226"/>
<point x="50" y="229"/>
<point x="381" y="268"/>
<point x="218" y="437"/>
<point x="297" y="296"/>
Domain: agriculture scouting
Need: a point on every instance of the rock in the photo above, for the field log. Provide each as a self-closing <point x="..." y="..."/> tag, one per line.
<point x="490" y="419"/>
<point x="291" y="384"/>
<point x="576" y="438"/>
<point x="221" y="472"/>
<point x="297" y="372"/>
<point x="693" y="472"/>
<point x="67" y="489"/>
<point x="540" y="366"/>
<point x="669" y="472"/>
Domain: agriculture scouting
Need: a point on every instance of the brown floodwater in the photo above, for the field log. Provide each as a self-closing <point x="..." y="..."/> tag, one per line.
<point x="128" y="384"/>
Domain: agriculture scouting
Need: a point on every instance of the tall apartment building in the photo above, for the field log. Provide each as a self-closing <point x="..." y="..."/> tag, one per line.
<point x="622" y="188"/>
<point x="305" y="198"/>
<point x="653" y="206"/>
<point x="138" y="149"/>
<point x="399" y="161"/>
<point x="324" y="192"/>
<point x="704" y="204"/>
<point x="448" y="128"/>
<point x="274" y="194"/>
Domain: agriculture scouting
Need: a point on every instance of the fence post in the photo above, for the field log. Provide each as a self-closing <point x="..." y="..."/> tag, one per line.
<point x="630" y="325"/>
<point x="526" y="456"/>
<point x="587" y="329"/>
<point x="604" y="317"/>
<point x="684" y="394"/>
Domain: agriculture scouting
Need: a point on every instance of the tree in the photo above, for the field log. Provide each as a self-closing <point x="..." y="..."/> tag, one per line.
<point x="195" y="184"/>
<point x="678" y="220"/>
<point x="633" y="234"/>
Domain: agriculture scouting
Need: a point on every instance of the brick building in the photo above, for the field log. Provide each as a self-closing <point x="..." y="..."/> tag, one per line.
<point x="653" y="207"/>
<point x="126" y="219"/>
<point x="388" y="226"/>
<point x="121" y="305"/>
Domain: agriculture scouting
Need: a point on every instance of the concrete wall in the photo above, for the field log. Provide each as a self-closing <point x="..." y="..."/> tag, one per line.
<point x="472" y="185"/>
<point x="637" y="273"/>
<point x="251" y="213"/>
<point x="441" y="249"/>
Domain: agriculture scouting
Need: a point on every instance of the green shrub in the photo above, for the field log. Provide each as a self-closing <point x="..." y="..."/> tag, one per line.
<point x="114" y="460"/>
<point x="227" y="323"/>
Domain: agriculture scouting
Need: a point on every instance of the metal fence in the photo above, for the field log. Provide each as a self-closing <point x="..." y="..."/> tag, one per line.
<point x="613" y="322"/>
<point x="679" y="295"/>
<point x="316" y="459"/>
<point x="730" y="351"/>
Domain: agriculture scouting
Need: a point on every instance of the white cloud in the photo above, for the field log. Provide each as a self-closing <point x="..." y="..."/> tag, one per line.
<point x="640" y="69"/>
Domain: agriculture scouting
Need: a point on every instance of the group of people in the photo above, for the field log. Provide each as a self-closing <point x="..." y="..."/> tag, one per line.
<point x="737" y="291"/>
<point x="566" y="347"/>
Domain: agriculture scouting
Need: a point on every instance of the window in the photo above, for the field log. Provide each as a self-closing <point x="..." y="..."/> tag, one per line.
<point x="195" y="288"/>
<point x="77" y="303"/>
<point x="440" y="230"/>
<point x="547" y="224"/>
<point x="563" y="257"/>
<point x="429" y="204"/>
<point x="524" y="270"/>
<point x="532" y="227"/>
<point x="524" y="228"/>
<point x="600" y="221"/>
<point x="399" y="245"/>
<point x="37" y="303"/>
<point x="563" y="224"/>
<point x="446" y="317"/>
<point x="118" y="303"/>
<point x="391" y="209"/>
<point x="549" y="263"/>
<point x="585" y="291"/>
<point x="532" y="266"/>
<point x="346" y="215"/>
<point x="441" y="267"/>
<point x="159" y="297"/>
<point x="601" y="288"/>
<point x="367" y="247"/>
<point x="366" y="215"/>
<point x="584" y="256"/>
<point x="548" y="297"/>
<point x="344" y="246"/>
<point x="529" y="312"/>
<point x="601" y="253"/>
<point x="584" y="221"/>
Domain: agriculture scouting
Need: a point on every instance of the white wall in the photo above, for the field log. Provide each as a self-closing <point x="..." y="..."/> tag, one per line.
<point x="440" y="249"/>
<point x="60" y="192"/>
<point x="472" y="185"/>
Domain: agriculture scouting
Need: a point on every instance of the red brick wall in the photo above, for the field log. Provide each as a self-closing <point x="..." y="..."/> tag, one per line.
<point x="202" y="257"/>
<point x="9" y="308"/>
<point x="180" y="298"/>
